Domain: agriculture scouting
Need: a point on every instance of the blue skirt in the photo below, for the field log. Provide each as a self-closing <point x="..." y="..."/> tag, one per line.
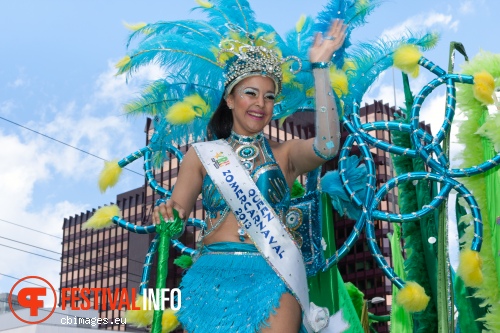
<point x="229" y="288"/>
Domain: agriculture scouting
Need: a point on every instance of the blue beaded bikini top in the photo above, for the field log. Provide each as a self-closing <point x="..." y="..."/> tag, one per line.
<point x="257" y="157"/>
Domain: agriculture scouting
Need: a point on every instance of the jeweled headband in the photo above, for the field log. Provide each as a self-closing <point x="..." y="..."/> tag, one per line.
<point x="251" y="60"/>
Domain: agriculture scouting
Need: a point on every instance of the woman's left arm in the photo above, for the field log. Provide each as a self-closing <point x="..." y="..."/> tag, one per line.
<point x="306" y="155"/>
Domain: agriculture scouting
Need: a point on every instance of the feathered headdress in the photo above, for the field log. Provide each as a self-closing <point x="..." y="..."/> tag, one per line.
<point x="194" y="54"/>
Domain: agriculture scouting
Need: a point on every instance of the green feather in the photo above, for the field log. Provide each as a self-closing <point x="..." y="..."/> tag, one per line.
<point x="297" y="189"/>
<point x="184" y="261"/>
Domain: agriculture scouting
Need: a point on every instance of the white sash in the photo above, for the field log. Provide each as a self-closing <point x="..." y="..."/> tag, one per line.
<point x="262" y="225"/>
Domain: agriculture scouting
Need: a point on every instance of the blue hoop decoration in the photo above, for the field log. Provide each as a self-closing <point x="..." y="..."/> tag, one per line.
<point x="179" y="246"/>
<point x="134" y="156"/>
<point x="146" y="268"/>
<point x="425" y="146"/>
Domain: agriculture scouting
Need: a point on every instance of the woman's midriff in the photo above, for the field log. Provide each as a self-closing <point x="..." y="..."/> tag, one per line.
<point x="226" y="232"/>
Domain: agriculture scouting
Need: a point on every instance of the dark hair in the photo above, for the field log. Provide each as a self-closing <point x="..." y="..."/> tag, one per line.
<point x="221" y="123"/>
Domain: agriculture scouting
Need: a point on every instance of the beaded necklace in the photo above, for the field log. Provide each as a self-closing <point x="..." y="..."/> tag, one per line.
<point x="249" y="149"/>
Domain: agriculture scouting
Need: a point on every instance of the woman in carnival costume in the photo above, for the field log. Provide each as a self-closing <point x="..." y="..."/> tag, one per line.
<point x="250" y="275"/>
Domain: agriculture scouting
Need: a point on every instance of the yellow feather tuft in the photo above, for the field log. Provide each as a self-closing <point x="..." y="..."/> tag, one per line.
<point x="204" y="4"/>
<point x="235" y="39"/>
<point x="123" y="64"/>
<point x="362" y="4"/>
<point x="300" y="23"/>
<point x="287" y="75"/>
<point x="289" y="78"/>
<point x="349" y="65"/>
<point x="102" y="218"/>
<point x="412" y="297"/>
<point x="469" y="268"/>
<point x="339" y="82"/>
<point x="222" y="57"/>
<point x="484" y="87"/>
<point x="110" y="175"/>
<point x="406" y="59"/>
<point x="267" y="40"/>
<point x="198" y="104"/>
<point x="310" y="92"/>
<point x="180" y="113"/>
<point x="134" y="26"/>
<point x="169" y="321"/>
<point x="142" y="317"/>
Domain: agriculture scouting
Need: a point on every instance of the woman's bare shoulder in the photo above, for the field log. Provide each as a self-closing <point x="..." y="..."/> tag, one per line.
<point x="282" y="152"/>
<point x="285" y="145"/>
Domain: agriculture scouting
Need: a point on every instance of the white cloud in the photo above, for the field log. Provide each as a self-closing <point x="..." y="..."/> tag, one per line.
<point x="469" y="6"/>
<point x="20" y="81"/>
<point x="432" y="111"/>
<point x="49" y="221"/>
<point x="420" y="22"/>
<point x="102" y="136"/>
<point x="466" y="7"/>
<point x="26" y="166"/>
<point x="6" y="107"/>
<point x="384" y="92"/>
<point x="114" y="88"/>
<point x="23" y="170"/>
<point x="17" y="83"/>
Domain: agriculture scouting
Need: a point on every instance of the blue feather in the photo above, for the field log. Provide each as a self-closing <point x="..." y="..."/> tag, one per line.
<point x="332" y="184"/>
<point x="170" y="51"/>
<point x="234" y="12"/>
<point x="299" y="43"/>
<point x="371" y="59"/>
<point x="354" y="15"/>
<point x="189" y="28"/>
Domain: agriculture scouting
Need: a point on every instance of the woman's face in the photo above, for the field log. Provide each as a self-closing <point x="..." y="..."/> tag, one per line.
<point x="252" y="102"/>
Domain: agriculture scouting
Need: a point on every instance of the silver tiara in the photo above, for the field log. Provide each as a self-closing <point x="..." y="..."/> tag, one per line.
<point x="251" y="60"/>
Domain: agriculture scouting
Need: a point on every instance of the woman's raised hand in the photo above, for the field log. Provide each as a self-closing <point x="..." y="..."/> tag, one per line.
<point x="166" y="211"/>
<point x="325" y="45"/>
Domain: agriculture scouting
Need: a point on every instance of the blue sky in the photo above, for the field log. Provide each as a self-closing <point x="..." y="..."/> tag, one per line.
<point x="57" y="77"/>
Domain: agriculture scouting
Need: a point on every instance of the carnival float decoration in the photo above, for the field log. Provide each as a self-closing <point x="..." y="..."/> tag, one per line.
<point x="193" y="54"/>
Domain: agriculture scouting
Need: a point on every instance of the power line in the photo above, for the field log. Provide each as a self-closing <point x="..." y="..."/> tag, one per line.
<point x="12" y="277"/>
<point x="41" y="248"/>
<point x="64" y="143"/>
<point x="76" y="241"/>
<point x="22" y="226"/>
<point x="65" y="261"/>
<point x="36" y="254"/>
